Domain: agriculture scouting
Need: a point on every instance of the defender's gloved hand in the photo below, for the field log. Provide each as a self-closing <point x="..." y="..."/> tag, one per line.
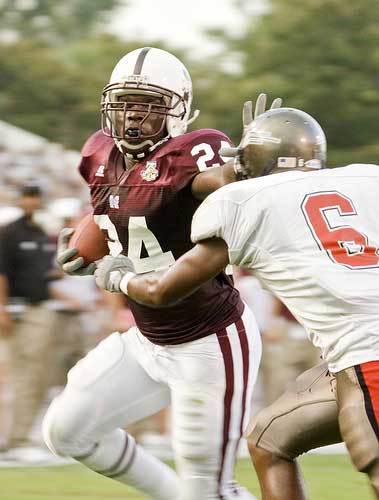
<point x="111" y="271"/>
<point x="247" y="118"/>
<point x="64" y="254"/>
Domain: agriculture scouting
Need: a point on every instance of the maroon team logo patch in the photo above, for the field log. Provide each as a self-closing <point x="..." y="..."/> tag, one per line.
<point x="150" y="173"/>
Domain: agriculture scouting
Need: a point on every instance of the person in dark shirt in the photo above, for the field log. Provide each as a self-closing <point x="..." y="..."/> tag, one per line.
<point x="287" y="352"/>
<point x="26" y="267"/>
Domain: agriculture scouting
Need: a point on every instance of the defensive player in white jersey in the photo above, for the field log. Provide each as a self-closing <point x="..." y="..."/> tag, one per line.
<point x="312" y="238"/>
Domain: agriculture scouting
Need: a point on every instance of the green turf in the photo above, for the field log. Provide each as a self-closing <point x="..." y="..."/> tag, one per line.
<point x="328" y="478"/>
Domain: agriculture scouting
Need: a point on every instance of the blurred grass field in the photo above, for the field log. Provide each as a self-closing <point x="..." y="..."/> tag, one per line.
<point x="329" y="477"/>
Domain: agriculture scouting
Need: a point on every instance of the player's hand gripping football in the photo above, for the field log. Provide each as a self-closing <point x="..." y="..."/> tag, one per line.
<point x="247" y="118"/>
<point x="74" y="267"/>
<point x="110" y="271"/>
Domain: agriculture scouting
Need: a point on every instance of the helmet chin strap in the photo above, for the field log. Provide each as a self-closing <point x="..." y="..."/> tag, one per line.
<point x="136" y="155"/>
<point x="120" y="143"/>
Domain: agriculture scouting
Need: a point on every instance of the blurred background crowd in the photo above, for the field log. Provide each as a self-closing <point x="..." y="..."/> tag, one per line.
<point x="55" y="57"/>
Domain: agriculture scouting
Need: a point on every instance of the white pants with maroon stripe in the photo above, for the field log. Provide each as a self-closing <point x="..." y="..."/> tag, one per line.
<point x="209" y="383"/>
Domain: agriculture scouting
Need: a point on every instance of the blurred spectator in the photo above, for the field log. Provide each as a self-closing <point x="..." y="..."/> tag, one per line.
<point x="120" y="316"/>
<point x="72" y="296"/>
<point x="5" y="393"/>
<point x="26" y="268"/>
<point x="261" y="303"/>
<point x="259" y="300"/>
<point x="84" y="313"/>
<point x="287" y="352"/>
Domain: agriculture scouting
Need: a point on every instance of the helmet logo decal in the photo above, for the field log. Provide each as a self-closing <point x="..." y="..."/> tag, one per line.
<point x="137" y="79"/>
<point x="294" y="162"/>
<point x="150" y="172"/>
<point x="260" y="137"/>
<point x="287" y="162"/>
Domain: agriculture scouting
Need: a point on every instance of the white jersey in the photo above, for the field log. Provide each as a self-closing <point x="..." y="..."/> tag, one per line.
<point x="312" y="239"/>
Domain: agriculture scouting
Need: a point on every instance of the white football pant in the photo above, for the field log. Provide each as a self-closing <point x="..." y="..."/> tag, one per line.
<point x="209" y="383"/>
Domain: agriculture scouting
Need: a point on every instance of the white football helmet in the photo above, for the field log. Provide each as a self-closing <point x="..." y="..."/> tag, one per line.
<point x="155" y="73"/>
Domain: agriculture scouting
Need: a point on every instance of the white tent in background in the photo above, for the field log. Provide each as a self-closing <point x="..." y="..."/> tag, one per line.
<point x="14" y="139"/>
<point x="24" y="156"/>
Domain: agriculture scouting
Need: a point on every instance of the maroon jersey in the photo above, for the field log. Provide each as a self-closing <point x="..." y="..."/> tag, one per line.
<point x="147" y="213"/>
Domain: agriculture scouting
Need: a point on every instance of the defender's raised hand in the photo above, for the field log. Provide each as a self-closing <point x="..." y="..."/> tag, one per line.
<point x="247" y="118"/>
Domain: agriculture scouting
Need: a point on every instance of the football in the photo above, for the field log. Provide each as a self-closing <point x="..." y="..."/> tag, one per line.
<point x="89" y="239"/>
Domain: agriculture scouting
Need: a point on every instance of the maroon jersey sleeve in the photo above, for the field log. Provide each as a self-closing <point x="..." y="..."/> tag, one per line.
<point x="198" y="151"/>
<point x="94" y="155"/>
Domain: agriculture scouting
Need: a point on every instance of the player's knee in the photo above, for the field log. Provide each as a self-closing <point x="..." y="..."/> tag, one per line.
<point x="256" y="428"/>
<point x="50" y="431"/>
<point x="269" y="437"/>
<point x="61" y="431"/>
<point x="259" y="456"/>
<point x="259" y="428"/>
<point x="262" y="458"/>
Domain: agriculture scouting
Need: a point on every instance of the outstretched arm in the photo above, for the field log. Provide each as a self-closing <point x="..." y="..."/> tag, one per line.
<point x="194" y="268"/>
<point x="210" y="180"/>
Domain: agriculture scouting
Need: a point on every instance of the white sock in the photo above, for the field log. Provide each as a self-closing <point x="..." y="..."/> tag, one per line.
<point x="117" y="456"/>
<point x="237" y="492"/>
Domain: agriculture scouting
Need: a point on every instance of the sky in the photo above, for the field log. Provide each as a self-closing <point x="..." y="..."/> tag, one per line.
<point x="180" y="22"/>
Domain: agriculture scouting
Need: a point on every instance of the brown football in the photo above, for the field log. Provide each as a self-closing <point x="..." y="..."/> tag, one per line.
<point x="89" y="239"/>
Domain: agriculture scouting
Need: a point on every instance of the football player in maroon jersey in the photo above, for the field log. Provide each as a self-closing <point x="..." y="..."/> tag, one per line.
<point x="147" y="176"/>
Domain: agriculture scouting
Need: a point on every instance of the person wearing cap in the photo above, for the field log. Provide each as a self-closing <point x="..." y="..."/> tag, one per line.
<point x="26" y="268"/>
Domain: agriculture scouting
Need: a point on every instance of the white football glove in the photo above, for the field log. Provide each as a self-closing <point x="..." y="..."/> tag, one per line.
<point x="247" y="118"/>
<point x="111" y="270"/>
<point x="64" y="254"/>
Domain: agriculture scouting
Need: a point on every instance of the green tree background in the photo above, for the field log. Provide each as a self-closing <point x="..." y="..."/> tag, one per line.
<point x="321" y="56"/>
